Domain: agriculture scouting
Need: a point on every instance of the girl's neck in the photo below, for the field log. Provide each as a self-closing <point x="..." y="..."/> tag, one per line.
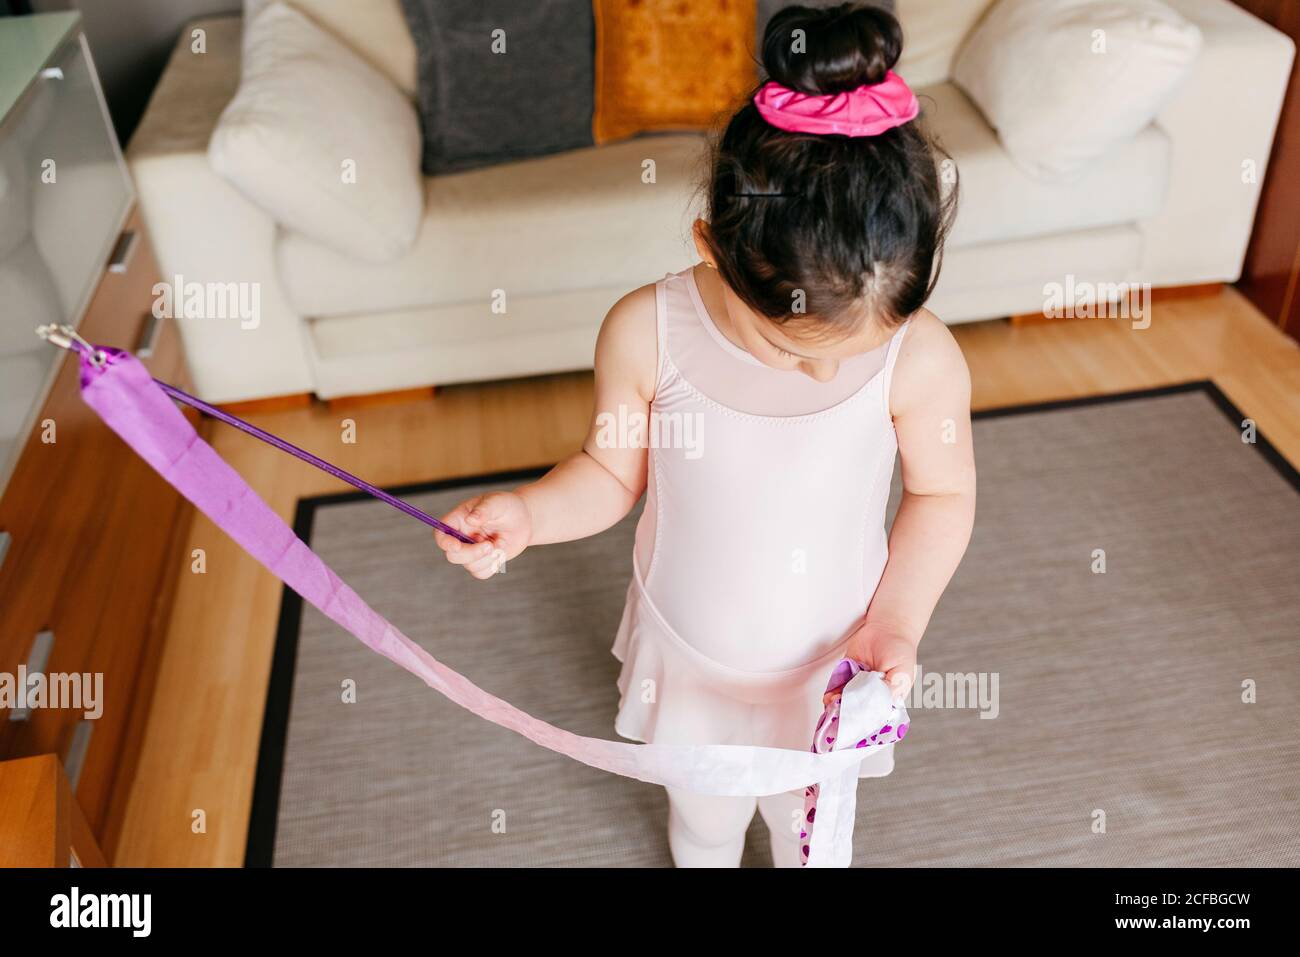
<point x="709" y="284"/>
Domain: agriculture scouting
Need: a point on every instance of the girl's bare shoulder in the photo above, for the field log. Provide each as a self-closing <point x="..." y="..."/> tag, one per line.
<point x="930" y="364"/>
<point x="627" y="347"/>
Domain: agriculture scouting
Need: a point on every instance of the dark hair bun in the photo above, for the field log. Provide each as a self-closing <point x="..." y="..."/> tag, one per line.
<point x="840" y="48"/>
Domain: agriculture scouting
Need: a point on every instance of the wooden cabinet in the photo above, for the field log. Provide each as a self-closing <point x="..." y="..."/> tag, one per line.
<point x="94" y="551"/>
<point x="1271" y="275"/>
<point x="41" y="824"/>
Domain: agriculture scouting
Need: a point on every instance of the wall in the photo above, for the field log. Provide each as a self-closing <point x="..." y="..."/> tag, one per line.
<point x="130" y="41"/>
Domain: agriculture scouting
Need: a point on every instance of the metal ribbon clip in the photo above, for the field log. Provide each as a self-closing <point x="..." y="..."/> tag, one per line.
<point x="65" y="337"/>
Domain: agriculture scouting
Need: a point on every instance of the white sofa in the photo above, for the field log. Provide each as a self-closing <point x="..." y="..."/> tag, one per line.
<point x="565" y="236"/>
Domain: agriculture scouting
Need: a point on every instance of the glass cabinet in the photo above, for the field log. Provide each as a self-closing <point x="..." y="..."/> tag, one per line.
<point x="64" y="196"/>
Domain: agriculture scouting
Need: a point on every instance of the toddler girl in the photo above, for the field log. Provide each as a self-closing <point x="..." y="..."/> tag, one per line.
<point x="776" y="380"/>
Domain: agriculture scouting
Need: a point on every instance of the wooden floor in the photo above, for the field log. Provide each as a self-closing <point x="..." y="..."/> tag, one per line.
<point x="200" y="749"/>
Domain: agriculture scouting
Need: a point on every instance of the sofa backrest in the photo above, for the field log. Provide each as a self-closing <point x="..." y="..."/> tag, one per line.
<point x="933" y="31"/>
<point x="376" y="29"/>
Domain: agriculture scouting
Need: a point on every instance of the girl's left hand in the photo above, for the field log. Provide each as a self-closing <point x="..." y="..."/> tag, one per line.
<point x="883" y="649"/>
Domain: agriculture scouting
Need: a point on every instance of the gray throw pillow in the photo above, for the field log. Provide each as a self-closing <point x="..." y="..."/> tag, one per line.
<point x="479" y="106"/>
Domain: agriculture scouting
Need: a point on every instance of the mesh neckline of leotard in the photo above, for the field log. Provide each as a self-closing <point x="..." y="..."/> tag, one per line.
<point x="702" y="315"/>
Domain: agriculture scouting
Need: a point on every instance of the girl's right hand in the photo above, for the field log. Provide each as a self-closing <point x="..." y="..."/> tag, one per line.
<point x="501" y="526"/>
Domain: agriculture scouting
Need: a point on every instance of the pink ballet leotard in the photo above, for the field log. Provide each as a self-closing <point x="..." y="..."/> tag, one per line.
<point x="762" y="539"/>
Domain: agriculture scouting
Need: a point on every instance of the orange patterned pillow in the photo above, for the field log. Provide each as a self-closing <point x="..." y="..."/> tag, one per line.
<point x="670" y="64"/>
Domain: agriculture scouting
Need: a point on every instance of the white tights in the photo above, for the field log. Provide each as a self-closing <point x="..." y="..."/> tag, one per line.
<point x="705" y="830"/>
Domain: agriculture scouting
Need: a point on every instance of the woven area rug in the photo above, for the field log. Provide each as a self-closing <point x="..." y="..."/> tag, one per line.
<point x="1141" y="715"/>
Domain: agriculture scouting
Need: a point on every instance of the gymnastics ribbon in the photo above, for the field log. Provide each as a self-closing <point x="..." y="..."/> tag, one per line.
<point x="137" y="408"/>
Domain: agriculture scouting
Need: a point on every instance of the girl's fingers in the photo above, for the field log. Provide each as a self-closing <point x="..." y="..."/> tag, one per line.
<point x="899" y="680"/>
<point x="457" y="518"/>
<point x="482" y="560"/>
<point x="477" y="518"/>
<point x="447" y="543"/>
<point x="469" y="554"/>
<point x="487" y="566"/>
<point x="486" y="509"/>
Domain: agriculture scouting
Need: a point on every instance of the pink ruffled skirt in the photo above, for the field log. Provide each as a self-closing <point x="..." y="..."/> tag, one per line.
<point x="672" y="694"/>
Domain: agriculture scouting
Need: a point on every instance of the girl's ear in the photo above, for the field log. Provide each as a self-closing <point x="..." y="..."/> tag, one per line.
<point x="700" y="233"/>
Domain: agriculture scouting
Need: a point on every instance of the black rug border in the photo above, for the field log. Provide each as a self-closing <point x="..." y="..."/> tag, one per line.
<point x="264" y="815"/>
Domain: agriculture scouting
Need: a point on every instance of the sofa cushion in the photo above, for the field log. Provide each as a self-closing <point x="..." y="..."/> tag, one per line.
<point x="587" y="219"/>
<point x="1065" y="81"/>
<point x="320" y="140"/>
<point x="933" y="32"/>
<point x="1000" y="201"/>
<point x="666" y="65"/>
<point x="443" y="345"/>
<point x="375" y="29"/>
<point x="994" y="280"/>
<point x="501" y="80"/>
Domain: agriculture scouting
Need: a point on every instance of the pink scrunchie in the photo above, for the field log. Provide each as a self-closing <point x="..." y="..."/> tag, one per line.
<point x="866" y="111"/>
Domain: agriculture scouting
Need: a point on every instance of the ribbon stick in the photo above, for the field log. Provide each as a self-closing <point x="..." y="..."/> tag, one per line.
<point x="133" y="405"/>
<point x="283" y="446"/>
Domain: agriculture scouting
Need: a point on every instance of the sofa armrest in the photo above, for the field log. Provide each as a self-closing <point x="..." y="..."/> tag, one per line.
<point x="1222" y="119"/>
<point x="204" y="231"/>
<point x="192" y="91"/>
